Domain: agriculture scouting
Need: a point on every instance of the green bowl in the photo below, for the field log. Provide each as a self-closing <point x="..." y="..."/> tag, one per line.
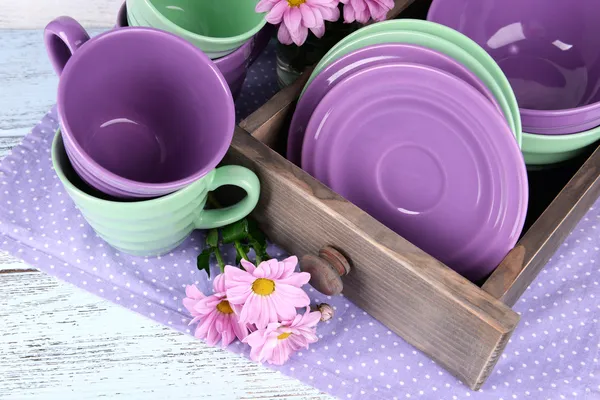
<point x="216" y="27"/>
<point x="439" y="38"/>
<point x="551" y="149"/>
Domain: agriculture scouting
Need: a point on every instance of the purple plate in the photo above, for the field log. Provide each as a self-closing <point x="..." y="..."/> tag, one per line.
<point x="365" y="57"/>
<point x="428" y="156"/>
<point x="548" y="50"/>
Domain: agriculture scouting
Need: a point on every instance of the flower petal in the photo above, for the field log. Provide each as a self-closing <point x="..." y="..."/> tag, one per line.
<point x="248" y="266"/>
<point x="290" y="263"/>
<point x="284" y="308"/>
<point x="193" y="292"/>
<point x="265" y="5"/>
<point x="219" y="283"/>
<point x="189" y="305"/>
<point x="349" y="15"/>
<point x="275" y="16"/>
<point x="296" y="296"/>
<point x="283" y="35"/>
<point x="308" y="17"/>
<point x="238" y="295"/>
<point x="293" y="20"/>
<point x="234" y="276"/>
<point x="297" y="279"/>
<point x="319" y="31"/>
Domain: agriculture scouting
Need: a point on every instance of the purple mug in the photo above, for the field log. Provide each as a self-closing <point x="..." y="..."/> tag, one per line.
<point x="233" y="66"/>
<point x="142" y="111"/>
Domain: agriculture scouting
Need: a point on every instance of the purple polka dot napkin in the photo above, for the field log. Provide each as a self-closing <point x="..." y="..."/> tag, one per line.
<point x="552" y="355"/>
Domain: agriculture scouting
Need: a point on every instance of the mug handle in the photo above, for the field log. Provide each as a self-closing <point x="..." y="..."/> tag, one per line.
<point x="237" y="176"/>
<point x="259" y="42"/>
<point x="62" y="36"/>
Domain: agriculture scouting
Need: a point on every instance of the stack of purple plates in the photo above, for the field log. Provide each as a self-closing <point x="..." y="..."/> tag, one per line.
<point x="417" y="141"/>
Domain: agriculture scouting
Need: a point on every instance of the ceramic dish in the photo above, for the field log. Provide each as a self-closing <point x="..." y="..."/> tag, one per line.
<point x="359" y="59"/>
<point x="547" y="49"/>
<point x="427" y="155"/>
<point x="442" y="39"/>
<point x="237" y="22"/>
<point x="233" y="66"/>
<point x="550" y="149"/>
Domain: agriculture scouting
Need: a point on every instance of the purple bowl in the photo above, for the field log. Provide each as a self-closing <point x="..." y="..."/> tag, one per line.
<point x="548" y="51"/>
<point x="233" y="66"/>
<point x="142" y="111"/>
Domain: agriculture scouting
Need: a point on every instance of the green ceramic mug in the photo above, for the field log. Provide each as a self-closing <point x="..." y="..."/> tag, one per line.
<point x="216" y="27"/>
<point x="154" y="227"/>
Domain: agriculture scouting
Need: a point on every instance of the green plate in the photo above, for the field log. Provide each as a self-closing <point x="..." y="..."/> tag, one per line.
<point x="440" y="38"/>
<point x="550" y="149"/>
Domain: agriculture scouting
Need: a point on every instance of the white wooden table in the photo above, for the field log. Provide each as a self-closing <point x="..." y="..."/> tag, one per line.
<point x="57" y="341"/>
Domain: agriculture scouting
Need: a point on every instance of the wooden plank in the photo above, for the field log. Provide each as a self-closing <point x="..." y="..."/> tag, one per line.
<point x="57" y="341"/>
<point x="267" y="122"/>
<point x="430" y="306"/>
<point x="35" y="14"/>
<point x="399" y="6"/>
<point x="525" y="261"/>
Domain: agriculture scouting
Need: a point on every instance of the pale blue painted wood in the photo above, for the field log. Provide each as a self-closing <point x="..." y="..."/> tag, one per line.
<point x="27" y="82"/>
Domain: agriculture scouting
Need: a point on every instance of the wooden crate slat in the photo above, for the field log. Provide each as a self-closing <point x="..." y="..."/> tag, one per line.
<point x="540" y="242"/>
<point x="267" y="122"/>
<point x="433" y="308"/>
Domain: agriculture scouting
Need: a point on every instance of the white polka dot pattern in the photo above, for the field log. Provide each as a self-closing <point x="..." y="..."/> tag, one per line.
<point x="552" y="355"/>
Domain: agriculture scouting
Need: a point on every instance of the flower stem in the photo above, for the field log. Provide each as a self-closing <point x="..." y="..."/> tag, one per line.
<point x="258" y="257"/>
<point x="219" y="258"/>
<point x="240" y="250"/>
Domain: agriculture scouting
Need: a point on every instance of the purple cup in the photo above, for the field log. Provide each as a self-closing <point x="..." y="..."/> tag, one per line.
<point x="233" y="66"/>
<point x="548" y="51"/>
<point x="142" y="111"/>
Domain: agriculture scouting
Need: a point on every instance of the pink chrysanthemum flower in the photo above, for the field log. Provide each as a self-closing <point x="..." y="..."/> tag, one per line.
<point x="267" y="293"/>
<point x="278" y="341"/>
<point x="364" y="10"/>
<point x="216" y="316"/>
<point x="296" y="17"/>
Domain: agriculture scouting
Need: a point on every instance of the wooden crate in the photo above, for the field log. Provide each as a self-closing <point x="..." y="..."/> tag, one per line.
<point x="462" y="326"/>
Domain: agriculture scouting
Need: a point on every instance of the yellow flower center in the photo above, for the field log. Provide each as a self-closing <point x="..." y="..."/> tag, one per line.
<point x="224" y="307"/>
<point x="284" y="335"/>
<point x="263" y="287"/>
<point x="296" y="3"/>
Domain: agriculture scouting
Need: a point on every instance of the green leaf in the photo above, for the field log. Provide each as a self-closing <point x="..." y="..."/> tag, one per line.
<point x="256" y="235"/>
<point x="203" y="260"/>
<point x="212" y="239"/>
<point x="236" y="231"/>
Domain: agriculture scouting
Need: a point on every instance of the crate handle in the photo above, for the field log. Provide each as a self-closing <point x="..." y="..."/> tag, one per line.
<point x="326" y="270"/>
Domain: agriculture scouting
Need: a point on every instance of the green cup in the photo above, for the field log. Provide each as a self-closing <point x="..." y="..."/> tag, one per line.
<point x="154" y="227"/>
<point x="215" y="27"/>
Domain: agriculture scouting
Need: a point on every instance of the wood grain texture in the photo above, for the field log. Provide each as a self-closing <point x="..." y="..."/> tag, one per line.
<point x="429" y="305"/>
<point x="266" y="123"/>
<point x="400" y="5"/>
<point x="35" y="14"/>
<point x="57" y="341"/>
<point x="525" y="261"/>
<point x="27" y="83"/>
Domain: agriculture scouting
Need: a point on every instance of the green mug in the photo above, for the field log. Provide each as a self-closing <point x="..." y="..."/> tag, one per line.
<point x="215" y="27"/>
<point x="154" y="227"/>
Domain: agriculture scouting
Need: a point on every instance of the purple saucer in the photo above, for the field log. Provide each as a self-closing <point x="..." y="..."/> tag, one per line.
<point x="428" y="156"/>
<point x="365" y="57"/>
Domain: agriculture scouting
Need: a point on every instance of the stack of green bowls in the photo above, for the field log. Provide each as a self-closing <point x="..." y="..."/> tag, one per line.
<point x="217" y="27"/>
